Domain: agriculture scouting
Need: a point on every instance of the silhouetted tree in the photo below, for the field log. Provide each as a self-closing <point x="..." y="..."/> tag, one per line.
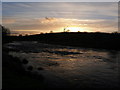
<point x="5" y="31"/>
<point x="115" y="32"/>
<point x="68" y="30"/>
<point x="26" y="35"/>
<point x="20" y="35"/>
<point x="64" y="30"/>
<point x="51" y="31"/>
<point x="41" y="33"/>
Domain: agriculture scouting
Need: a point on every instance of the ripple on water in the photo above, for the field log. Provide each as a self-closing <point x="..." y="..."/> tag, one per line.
<point x="80" y="67"/>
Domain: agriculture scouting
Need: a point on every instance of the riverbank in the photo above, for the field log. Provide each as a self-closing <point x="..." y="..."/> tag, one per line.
<point x="109" y="41"/>
<point x="16" y="77"/>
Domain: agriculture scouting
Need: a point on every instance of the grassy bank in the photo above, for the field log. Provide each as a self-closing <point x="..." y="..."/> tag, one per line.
<point x="79" y="39"/>
<point x="15" y="76"/>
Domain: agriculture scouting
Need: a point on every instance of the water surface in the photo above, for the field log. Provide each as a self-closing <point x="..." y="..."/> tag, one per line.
<point x="66" y="66"/>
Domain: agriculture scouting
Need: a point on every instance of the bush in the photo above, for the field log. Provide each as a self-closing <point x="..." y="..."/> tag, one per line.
<point x="5" y="31"/>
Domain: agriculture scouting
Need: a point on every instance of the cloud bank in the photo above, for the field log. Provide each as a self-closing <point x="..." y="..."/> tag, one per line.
<point x="44" y="17"/>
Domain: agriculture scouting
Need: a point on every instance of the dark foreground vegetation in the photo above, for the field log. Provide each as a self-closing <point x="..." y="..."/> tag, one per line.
<point x="14" y="75"/>
<point x="79" y="39"/>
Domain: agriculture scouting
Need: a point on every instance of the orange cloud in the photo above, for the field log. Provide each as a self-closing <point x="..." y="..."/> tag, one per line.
<point x="8" y="21"/>
<point x="47" y="24"/>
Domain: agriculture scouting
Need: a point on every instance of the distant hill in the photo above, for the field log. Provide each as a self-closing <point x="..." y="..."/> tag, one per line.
<point x="79" y="39"/>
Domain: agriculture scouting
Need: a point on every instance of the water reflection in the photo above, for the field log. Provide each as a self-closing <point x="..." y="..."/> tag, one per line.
<point x="77" y="67"/>
<point x="114" y="56"/>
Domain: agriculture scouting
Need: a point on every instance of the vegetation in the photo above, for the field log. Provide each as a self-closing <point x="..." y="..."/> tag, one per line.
<point x="5" y="31"/>
<point x="14" y="76"/>
<point x="5" y="34"/>
<point x="79" y="39"/>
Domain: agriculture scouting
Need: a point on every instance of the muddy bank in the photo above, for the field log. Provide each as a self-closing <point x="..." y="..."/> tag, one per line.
<point x="15" y="76"/>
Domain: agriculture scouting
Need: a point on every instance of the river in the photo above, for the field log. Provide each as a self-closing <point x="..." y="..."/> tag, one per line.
<point x="65" y="66"/>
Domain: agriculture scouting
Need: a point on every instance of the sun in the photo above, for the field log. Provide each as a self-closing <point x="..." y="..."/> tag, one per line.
<point x="73" y="29"/>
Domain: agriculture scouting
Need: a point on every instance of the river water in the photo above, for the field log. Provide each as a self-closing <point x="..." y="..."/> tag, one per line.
<point x="65" y="66"/>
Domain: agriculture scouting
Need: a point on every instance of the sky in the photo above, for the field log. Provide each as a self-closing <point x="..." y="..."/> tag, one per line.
<point x="38" y="17"/>
<point x="59" y="0"/>
<point x="0" y="13"/>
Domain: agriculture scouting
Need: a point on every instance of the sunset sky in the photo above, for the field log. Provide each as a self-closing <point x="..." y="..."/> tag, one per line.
<point x="34" y="18"/>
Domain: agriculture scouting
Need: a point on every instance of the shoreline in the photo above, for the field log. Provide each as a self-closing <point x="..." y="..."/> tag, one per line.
<point x="15" y="75"/>
<point x="85" y="40"/>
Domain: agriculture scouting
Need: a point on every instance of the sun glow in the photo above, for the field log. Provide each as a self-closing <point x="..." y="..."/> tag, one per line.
<point x="74" y="29"/>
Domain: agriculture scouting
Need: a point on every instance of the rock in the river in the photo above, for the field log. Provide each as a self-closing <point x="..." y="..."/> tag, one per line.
<point x="25" y="61"/>
<point x="30" y="68"/>
<point x="40" y="68"/>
